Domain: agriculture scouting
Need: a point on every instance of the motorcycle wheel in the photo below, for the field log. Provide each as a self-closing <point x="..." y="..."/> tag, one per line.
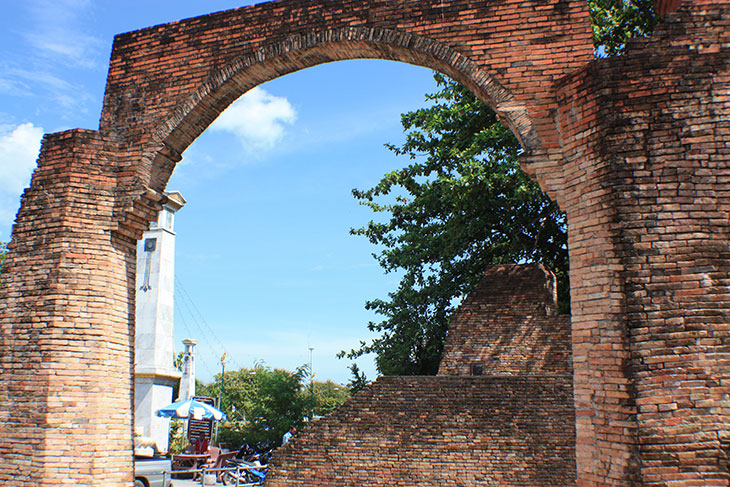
<point x="228" y="478"/>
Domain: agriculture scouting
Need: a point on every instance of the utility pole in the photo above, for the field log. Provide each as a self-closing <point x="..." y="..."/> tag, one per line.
<point x="221" y="392"/>
<point x="311" y="382"/>
<point x="223" y="380"/>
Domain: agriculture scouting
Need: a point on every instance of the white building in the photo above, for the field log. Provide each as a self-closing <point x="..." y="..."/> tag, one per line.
<point x="154" y="370"/>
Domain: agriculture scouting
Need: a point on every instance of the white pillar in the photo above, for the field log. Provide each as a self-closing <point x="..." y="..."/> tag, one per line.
<point x="154" y="370"/>
<point x="187" y="382"/>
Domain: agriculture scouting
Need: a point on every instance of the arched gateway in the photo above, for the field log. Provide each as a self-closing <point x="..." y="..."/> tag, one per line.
<point x="633" y="149"/>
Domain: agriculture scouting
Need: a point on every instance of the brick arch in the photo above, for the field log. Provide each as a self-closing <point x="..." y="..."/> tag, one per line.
<point x="194" y="114"/>
<point x="634" y="149"/>
<point x="167" y="83"/>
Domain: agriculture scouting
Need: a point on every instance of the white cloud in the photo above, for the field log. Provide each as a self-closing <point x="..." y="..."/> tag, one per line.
<point x="258" y="118"/>
<point x="60" y="33"/>
<point x="75" y="48"/>
<point x="18" y="153"/>
<point x="43" y="77"/>
<point x="13" y="87"/>
<point x="52" y="43"/>
<point x="21" y="82"/>
<point x="19" y="146"/>
<point x="67" y="95"/>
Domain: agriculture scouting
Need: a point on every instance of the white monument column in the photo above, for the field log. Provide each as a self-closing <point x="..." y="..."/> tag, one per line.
<point x="154" y="370"/>
<point x="187" y="382"/>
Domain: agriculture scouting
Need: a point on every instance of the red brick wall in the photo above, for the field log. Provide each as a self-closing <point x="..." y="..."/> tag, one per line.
<point x="511" y="427"/>
<point x="166" y="84"/>
<point x="633" y="149"/>
<point x="66" y="327"/>
<point x="436" y="431"/>
<point x="509" y="325"/>
<point x="72" y="254"/>
<point x="666" y="7"/>
<point x="646" y="140"/>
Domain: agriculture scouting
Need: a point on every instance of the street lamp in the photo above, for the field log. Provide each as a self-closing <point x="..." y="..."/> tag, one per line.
<point x="311" y="382"/>
<point x="221" y="391"/>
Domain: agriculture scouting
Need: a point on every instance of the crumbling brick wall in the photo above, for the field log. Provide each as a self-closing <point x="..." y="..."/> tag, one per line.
<point x="436" y="431"/>
<point x="66" y="323"/>
<point x="509" y="325"/>
<point x="513" y="426"/>
<point x="165" y="85"/>
<point x="647" y="148"/>
<point x="634" y="150"/>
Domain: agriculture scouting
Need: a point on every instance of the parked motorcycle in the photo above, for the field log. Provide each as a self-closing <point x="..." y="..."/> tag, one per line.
<point x="249" y="467"/>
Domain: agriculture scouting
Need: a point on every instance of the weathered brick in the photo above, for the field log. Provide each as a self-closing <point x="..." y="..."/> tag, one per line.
<point x="635" y="150"/>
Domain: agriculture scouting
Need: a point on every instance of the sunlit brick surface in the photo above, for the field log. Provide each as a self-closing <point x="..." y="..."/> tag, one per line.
<point x="512" y="426"/>
<point x="437" y="431"/>
<point x="634" y="149"/>
<point x="509" y="326"/>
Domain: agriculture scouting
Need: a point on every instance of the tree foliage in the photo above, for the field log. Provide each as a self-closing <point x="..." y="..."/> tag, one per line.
<point x="617" y="21"/>
<point x="359" y="380"/>
<point x="325" y="397"/>
<point x="461" y="204"/>
<point x="262" y="403"/>
<point x="3" y="254"/>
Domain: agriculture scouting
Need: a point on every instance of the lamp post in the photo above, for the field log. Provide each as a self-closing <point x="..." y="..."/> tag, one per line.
<point x="221" y="392"/>
<point x="223" y="380"/>
<point x="311" y="383"/>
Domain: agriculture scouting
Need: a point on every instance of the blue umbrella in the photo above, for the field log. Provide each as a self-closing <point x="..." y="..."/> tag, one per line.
<point x="191" y="409"/>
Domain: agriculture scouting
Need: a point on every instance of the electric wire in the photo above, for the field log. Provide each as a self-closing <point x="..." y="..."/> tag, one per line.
<point x="206" y="330"/>
<point x="180" y="318"/>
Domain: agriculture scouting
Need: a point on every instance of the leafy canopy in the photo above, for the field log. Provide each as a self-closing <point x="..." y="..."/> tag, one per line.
<point x="359" y="380"/>
<point x="3" y="254"/>
<point x="461" y="204"/>
<point x="617" y="21"/>
<point x="262" y="403"/>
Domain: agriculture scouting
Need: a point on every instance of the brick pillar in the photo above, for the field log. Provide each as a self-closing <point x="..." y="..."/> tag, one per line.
<point x="646" y="193"/>
<point x="603" y="385"/>
<point x="66" y="325"/>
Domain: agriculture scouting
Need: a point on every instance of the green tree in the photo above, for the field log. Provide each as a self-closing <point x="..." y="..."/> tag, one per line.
<point x="3" y="254"/>
<point x="359" y="380"/>
<point x="326" y="397"/>
<point x="461" y="204"/>
<point x="261" y="403"/>
<point x="617" y="21"/>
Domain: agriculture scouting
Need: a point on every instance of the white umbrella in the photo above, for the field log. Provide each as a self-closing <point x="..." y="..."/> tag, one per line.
<point x="191" y="409"/>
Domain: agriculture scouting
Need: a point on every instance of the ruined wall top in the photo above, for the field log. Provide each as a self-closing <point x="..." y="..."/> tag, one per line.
<point x="509" y="325"/>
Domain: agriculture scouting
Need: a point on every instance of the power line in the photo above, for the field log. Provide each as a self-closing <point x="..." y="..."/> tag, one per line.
<point x="206" y="329"/>
<point x="180" y="317"/>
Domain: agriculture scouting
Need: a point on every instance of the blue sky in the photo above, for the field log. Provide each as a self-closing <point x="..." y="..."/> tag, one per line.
<point x="265" y="264"/>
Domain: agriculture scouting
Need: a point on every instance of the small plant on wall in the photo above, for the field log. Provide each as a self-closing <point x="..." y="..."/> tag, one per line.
<point x="3" y="254"/>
